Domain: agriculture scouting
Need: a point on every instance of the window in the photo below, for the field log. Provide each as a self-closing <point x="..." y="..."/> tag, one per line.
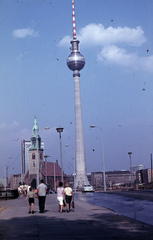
<point x="33" y="156"/>
<point x="33" y="164"/>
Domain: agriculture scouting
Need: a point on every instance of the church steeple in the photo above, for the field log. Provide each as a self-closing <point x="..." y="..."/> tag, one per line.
<point x="36" y="155"/>
<point x="35" y="130"/>
<point x="35" y="140"/>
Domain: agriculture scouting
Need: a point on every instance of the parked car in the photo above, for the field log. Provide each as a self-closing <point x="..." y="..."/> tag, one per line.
<point x="87" y="188"/>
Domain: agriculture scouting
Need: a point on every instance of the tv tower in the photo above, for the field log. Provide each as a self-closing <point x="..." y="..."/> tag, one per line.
<point x="76" y="62"/>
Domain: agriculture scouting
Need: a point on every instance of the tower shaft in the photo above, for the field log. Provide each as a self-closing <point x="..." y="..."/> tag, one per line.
<point x="81" y="177"/>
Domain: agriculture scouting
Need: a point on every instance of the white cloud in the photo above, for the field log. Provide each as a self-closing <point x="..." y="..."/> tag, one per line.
<point x="96" y="34"/>
<point x="25" y="32"/>
<point x="5" y="126"/>
<point x="22" y="55"/>
<point x="113" y="54"/>
<point x="65" y="41"/>
<point x="117" y="55"/>
<point x="110" y="39"/>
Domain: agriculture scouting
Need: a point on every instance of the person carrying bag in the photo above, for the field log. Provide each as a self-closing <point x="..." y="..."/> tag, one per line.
<point x="68" y="196"/>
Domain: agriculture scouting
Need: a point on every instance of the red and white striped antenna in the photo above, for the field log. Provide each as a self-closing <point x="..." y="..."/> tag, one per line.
<point x="73" y="17"/>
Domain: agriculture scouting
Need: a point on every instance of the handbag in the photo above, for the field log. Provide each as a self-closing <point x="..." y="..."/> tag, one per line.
<point x="73" y="205"/>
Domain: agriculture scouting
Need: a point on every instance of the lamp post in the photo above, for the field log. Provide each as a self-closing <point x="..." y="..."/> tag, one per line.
<point x="151" y="167"/>
<point x="37" y="167"/>
<point x="5" y="172"/>
<point x="130" y="153"/>
<point x="46" y="156"/>
<point x="54" y="174"/>
<point x="67" y="145"/>
<point x="46" y="128"/>
<point x="7" y="167"/>
<point x="93" y="126"/>
<point x="54" y="178"/>
<point x="59" y="130"/>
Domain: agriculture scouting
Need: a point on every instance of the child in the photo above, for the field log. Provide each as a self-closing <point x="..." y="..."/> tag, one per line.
<point x="31" y="196"/>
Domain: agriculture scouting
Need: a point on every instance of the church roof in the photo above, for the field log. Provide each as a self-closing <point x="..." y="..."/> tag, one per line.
<point x="50" y="169"/>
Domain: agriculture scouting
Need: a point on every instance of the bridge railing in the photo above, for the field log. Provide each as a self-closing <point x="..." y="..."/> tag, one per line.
<point x="8" y="194"/>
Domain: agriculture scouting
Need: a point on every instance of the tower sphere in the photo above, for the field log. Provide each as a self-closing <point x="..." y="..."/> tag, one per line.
<point x="75" y="60"/>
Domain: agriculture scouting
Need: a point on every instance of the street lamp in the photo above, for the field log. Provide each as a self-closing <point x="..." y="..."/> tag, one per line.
<point x="6" y="174"/>
<point x="37" y="166"/>
<point x="59" y="130"/>
<point x="46" y="156"/>
<point x="54" y="178"/>
<point x="93" y="126"/>
<point x="74" y="166"/>
<point x="46" y="128"/>
<point x="130" y="153"/>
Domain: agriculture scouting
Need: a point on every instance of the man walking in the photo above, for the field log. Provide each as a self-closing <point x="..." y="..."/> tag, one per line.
<point x="42" y="189"/>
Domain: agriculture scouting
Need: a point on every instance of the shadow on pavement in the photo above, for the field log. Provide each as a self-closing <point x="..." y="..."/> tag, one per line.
<point x="73" y="226"/>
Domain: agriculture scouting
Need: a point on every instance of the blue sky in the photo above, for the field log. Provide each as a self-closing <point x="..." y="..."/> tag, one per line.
<point x="116" y="82"/>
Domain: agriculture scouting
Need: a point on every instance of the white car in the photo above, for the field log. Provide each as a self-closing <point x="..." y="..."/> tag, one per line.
<point x="87" y="188"/>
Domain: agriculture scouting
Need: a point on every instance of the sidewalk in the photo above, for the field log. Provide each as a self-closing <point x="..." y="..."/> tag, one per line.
<point x="85" y="222"/>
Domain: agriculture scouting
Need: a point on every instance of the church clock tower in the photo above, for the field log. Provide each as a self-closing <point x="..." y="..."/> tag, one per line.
<point x="35" y="153"/>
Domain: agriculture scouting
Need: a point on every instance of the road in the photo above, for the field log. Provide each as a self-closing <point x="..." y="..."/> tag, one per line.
<point x="137" y="205"/>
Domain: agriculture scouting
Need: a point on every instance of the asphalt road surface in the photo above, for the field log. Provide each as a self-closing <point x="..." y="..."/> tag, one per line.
<point x="137" y="205"/>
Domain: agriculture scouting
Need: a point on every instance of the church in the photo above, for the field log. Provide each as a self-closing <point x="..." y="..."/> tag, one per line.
<point x="33" y="166"/>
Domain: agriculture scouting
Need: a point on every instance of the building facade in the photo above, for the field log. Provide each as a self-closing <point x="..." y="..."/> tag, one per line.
<point x="113" y="178"/>
<point x="14" y="180"/>
<point x="51" y="174"/>
<point x="144" y="176"/>
<point x="138" y="167"/>
<point x="25" y="146"/>
<point x="2" y="182"/>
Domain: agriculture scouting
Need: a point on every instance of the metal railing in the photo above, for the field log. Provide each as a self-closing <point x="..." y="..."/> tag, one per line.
<point x="8" y="194"/>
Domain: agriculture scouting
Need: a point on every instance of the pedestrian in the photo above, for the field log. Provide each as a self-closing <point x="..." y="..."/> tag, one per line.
<point x="60" y="196"/>
<point x="19" y="191"/>
<point x="42" y="189"/>
<point x="68" y="196"/>
<point x="28" y="188"/>
<point x="31" y="196"/>
<point x="48" y="188"/>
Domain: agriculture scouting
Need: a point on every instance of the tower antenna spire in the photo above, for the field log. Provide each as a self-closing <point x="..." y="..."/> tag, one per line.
<point x="73" y="18"/>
